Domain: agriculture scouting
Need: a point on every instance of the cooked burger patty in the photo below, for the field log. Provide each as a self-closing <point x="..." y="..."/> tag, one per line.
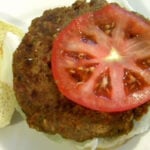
<point x="45" y="107"/>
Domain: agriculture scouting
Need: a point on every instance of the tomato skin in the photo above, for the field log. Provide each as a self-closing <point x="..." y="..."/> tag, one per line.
<point x="91" y="58"/>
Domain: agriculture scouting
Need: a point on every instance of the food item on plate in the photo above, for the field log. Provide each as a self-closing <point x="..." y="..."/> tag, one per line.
<point x="83" y="72"/>
<point x="7" y="97"/>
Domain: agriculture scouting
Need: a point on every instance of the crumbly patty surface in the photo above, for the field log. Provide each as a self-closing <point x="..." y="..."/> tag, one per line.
<point x="46" y="109"/>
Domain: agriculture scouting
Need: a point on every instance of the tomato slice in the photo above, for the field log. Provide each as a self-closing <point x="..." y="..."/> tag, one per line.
<point x="101" y="60"/>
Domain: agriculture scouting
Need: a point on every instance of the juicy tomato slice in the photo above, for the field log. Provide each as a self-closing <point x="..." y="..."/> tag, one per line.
<point x="101" y="60"/>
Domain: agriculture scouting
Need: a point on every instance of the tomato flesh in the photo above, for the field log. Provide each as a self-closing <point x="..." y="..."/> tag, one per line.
<point x="101" y="60"/>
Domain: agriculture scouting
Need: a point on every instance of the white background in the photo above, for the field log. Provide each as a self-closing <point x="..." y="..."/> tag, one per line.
<point x="18" y="136"/>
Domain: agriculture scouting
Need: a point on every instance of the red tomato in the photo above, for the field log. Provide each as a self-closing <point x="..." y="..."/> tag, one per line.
<point x="101" y="60"/>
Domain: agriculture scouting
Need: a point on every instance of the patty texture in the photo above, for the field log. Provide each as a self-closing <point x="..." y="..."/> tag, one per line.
<point x="45" y="107"/>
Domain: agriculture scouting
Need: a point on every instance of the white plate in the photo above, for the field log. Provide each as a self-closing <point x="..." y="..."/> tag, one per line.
<point x="142" y="7"/>
<point x="18" y="136"/>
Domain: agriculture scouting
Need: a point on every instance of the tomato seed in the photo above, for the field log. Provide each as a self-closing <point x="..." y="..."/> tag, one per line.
<point x="133" y="82"/>
<point x="103" y="86"/>
<point x="108" y="32"/>
<point x="81" y="55"/>
<point x="92" y="69"/>
<point x="107" y="26"/>
<point x="144" y="63"/>
<point x="80" y="68"/>
<point x="72" y="71"/>
<point x="81" y="74"/>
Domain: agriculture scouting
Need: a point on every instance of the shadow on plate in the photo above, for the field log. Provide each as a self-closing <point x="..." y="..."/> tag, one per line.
<point x="131" y="144"/>
<point x="16" y="118"/>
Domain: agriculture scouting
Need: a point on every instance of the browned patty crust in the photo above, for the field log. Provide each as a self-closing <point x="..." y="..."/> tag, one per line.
<point x="46" y="109"/>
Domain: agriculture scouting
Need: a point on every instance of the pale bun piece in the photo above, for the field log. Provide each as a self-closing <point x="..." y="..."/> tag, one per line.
<point x="140" y="127"/>
<point x="7" y="47"/>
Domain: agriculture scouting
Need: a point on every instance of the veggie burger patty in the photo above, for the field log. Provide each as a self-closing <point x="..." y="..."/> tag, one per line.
<point x="45" y="107"/>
